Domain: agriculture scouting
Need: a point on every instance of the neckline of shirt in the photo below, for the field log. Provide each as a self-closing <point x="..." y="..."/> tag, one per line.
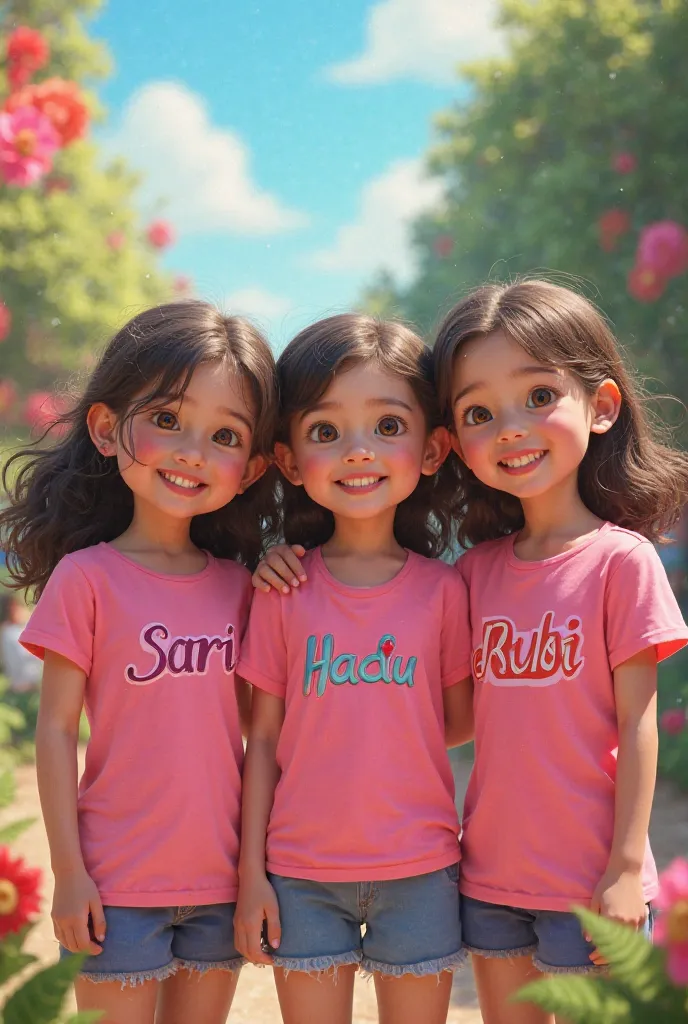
<point x="350" y="590"/>
<point x="527" y="566"/>
<point x="170" y="577"/>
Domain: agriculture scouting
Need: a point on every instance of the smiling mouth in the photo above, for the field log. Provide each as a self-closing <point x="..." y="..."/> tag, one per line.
<point x="182" y="483"/>
<point x="523" y="462"/>
<point x="360" y="484"/>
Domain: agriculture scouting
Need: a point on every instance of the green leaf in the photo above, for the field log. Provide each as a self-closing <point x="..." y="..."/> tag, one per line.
<point x="633" y="961"/>
<point x="85" y="1017"/>
<point x="7" y="788"/>
<point x="12" y="961"/>
<point x="10" y="832"/>
<point x="582" y="998"/>
<point x="39" y="1001"/>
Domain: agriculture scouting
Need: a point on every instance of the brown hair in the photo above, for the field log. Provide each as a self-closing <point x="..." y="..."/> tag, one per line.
<point x="69" y="496"/>
<point x="305" y="370"/>
<point x="630" y="475"/>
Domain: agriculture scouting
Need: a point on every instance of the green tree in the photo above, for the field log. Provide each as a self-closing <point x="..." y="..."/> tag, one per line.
<point x="585" y="114"/>
<point x="72" y="260"/>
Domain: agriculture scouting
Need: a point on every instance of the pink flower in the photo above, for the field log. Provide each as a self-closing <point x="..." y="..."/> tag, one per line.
<point x="664" y="247"/>
<point x="671" y="929"/>
<point x="611" y="225"/>
<point x="160" y="234"/>
<point x="20" y="899"/>
<point x="645" y="284"/>
<point x="42" y="409"/>
<point x="182" y="285"/>
<point x="116" y="240"/>
<point x="8" y="396"/>
<point x="5" y="321"/>
<point x="673" y="721"/>
<point x="27" y="143"/>
<point x="443" y="246"/>
<point x="27" y="51"/>
<point x="624" y="163"/>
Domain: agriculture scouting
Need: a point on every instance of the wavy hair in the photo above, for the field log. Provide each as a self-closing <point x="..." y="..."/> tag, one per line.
<point x="67" y="495"/>
<point x="631" y="475"/>
<point x="305" y="370"/>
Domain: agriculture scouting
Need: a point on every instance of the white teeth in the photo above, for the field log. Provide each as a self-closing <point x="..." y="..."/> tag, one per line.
<point x="180" y="481"/>
<point x="522" y="460"/>
<point x="360" y="481"/>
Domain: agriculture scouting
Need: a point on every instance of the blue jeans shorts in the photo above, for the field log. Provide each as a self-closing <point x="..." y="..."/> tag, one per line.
<point x="401" y="926"/>
<point x="554" y="938"/>
<point x="152" y="943"/>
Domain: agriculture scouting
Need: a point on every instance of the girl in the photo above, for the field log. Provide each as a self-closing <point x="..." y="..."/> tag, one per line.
<point x="130" y="529"/>
<point x="564" y="483"/>
<point x="356" y="678"/>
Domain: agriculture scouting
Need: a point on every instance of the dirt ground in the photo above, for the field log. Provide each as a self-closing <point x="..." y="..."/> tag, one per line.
<point x="255" y="1001"/>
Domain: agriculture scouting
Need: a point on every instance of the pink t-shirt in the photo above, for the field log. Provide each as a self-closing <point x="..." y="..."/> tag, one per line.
<point x="366" y="791"/>
<point x="159" y="800"/>
<point x="539" y="812"/>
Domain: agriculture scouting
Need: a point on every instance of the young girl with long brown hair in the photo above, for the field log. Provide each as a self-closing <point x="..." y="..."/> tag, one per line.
<point x="360" y="679"/>
<point x="136" y="531"/>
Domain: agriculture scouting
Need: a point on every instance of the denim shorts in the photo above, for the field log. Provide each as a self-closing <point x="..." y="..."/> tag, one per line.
<point x="151" y="943"/>
<point x="402" y="926"/>
<point x="554" y="938"/>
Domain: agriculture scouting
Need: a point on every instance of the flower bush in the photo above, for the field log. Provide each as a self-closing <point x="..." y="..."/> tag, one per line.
<point x="646" y="984"/>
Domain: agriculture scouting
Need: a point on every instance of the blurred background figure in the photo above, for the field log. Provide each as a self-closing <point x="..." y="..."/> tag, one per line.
<point x="22" y="670"/>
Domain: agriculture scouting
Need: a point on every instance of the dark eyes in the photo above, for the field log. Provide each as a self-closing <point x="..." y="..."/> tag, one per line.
<point x="390" y="426"/>
<point x="540" y="397"/>
<point x="477" y="415"/>
<point x="387" y="426"/>
<point x="323" y="432"/>
<point x="224" y="436"/>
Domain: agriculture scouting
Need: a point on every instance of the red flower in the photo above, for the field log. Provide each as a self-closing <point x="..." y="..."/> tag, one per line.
<point x="624" y="163"/>
<point x="160" y="234"/>
<point x="8" y="396"/>
<point x="42" y="409"/>
<point x="57" y="183"/>
<point x="182" y="285"/>
<point x="443" y="246"/>
<point x="27" y="51"/>
<point x="19" y="896"/>
<point x="612" y="224"/>
<point x="60" y="101"/>
<point x="116" y="240"/>
<point x="673" y="721"/>
<point x="664" y="247"/>
<point x="645" y="284"/>
<point x="5" y="321"/>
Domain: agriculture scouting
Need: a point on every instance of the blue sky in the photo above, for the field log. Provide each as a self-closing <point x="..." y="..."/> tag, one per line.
<point x="284" y="140"/>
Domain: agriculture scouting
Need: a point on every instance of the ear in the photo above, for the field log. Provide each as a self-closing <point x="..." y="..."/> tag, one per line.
<point x="255" y="467"/>
<point x="437" y="448"/>
<point x="606" y="407"/>
<point x="284" y="457"/>
<point x="102" y="427"/>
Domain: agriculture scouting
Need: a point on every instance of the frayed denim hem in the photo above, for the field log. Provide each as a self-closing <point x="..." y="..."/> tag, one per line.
<point x="132" y="978"/>
<point x="582" y="969"/>
<point x="202" y="966"/>
<point x="317" y="964"/>
<point x="421" y="970"/>
<point x="501" y="954"/>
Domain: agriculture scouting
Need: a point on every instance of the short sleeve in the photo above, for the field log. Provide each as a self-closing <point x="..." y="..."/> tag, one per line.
<point x="455" y="655"/>
<point x="641" y="610"/>
<point x="63" y="621"/>
<point x="263" y="658"/>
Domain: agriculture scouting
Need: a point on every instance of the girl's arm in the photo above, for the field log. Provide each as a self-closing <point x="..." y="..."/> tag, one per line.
<point x="619" y="894"/>
<point x="257" y="901"/>
<point x="244" y="697"/>
<point x="459" y="725"/>
<point x="57" y="731"/>
<point x="280" y="569"/>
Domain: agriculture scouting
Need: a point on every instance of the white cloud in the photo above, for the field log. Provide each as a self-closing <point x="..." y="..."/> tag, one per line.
<point x="201" y="173"/>
<point x="420" y="39"/>
<point x="380" y="236"/>
<point x="257" y="303"/>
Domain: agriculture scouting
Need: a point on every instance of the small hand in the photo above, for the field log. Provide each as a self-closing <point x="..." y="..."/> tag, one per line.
<point x="280" y="566"/>
<point x="257" y="903"/>
<point x="619" y="896"/>
<point x="76" y="897"/>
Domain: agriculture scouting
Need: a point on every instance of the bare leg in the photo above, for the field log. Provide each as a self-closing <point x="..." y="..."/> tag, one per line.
<point x="408" y="1000"/>
<point x="497" y="979"/>
<point x="131" y="1005"/>
<point x="202" y="998"/>
<point x="324" y="998"/>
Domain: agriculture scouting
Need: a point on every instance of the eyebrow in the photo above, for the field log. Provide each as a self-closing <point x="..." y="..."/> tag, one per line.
<point x="225" y="411"/>
<point x="523" y="371"/>
<point x="325" y="406"/>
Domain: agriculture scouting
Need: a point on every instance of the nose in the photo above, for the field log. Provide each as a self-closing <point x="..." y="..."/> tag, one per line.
<point x="190" y="453"/>
<point x="359" y="452"/>
<point x="510" y="428"/>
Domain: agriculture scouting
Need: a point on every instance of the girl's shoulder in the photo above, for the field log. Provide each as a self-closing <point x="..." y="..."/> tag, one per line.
<point x="485" y="551"/>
